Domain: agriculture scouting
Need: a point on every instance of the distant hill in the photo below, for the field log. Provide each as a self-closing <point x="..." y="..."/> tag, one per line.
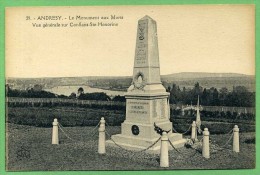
<point x="193" y="75"/>
<point x="187" y="79"/>
<point x="208" y="80"/>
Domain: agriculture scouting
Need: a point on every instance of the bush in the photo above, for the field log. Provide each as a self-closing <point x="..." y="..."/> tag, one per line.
<point x="43" y="117"/>
<point x="101" y="96"/>
<point x="250" y="141"/>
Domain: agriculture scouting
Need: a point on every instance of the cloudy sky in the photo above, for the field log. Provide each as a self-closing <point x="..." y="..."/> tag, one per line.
<point x="202" y="38"/>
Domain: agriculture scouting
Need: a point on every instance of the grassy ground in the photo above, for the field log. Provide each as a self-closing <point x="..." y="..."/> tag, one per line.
<point x="29" y="148"/>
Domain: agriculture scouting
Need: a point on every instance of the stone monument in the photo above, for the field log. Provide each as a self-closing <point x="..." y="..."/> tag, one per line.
<point x="147" y="102"/>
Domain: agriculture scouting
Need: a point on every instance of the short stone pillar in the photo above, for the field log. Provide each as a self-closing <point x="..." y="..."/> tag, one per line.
<point x="236" y="139"/>
<point x="164" y="155"/>
<point x="205" y="144"/>
<point x="55" y="130"/>
<point x="102" y="137"/>
<point x="193" y="131"/>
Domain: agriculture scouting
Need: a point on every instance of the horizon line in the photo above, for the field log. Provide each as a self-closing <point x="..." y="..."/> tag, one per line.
<point x="130" y="75"/>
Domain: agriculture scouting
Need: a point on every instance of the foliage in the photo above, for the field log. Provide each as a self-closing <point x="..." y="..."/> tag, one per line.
<point x="239" y="96"/>
<point x="73" y="95"/>
<point x="43" y="117"/>
<point x="76" y="116"/>
<point x="250" y="141"/>
<point x="119" y="98"/>
<point x="30" y="93"/>
<point x="94" y="96"/>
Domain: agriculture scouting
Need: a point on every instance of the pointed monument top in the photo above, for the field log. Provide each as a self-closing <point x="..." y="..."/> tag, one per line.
<point x="198" y="121"/>
<point x="198" y="103"/>
<point x="146" y="73"/>
<point x="146" y="17"/>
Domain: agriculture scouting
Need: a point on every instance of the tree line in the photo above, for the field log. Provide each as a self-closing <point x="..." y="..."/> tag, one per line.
<point x="239" y="96"/>
<point x="37" y="92"/>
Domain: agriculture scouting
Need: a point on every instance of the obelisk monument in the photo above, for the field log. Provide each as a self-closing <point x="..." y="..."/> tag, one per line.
<point x="147" y="102"/>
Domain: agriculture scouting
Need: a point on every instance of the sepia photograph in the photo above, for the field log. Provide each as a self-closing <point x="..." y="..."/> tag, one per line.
<point x="155" y="87"/>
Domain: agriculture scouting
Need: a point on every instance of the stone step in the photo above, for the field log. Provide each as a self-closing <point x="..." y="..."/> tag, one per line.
<point x="132" y="143"/>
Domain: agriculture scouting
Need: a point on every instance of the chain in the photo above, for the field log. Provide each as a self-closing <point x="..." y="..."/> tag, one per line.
<point x="92" y="131"/>
<point x="179" y="151"/>
<point x="217" y="147"/>
<point x="230" y="131"/>
<point x="66" y="133"/>
<point x="131" y="150"/>
<point x="107" y="124"/>
<point x="199" y="129"/>
<point x="181" y="133"/>
<point x="201" y="140"/>
<point x="223" y="147"/>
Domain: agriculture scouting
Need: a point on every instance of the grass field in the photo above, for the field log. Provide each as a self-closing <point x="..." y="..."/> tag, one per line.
<point x="29" y="148"/>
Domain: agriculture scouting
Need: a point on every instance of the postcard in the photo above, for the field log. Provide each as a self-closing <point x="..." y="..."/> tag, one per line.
<point x="158" y="87"/>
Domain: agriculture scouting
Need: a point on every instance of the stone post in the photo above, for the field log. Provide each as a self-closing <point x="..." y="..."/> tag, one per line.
<point x="205" y="145"/>
<point x="236" y="139"/>
<point x="164" y="155"/>
<point x="55" y="134"/>
<point x="194" y="131"/>
<point x="102" y="137"/>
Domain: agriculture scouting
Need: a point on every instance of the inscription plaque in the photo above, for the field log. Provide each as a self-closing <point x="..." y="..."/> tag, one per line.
<point x="141" y="52"/>
<point x="137" y="107"/>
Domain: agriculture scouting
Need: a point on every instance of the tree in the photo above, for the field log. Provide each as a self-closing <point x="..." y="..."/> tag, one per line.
<point x="80" y="91"/>
<point x="73" y="95"/>
<point x="215" y="101"/>
<point x="37" y="88"/>
<point x="95" y="96"/>
<point x="119" y="98"/>
<point x="241" y="97"/>
<point x="195" y="92"/>
<point x="205" y="97"/>
<point x="197" y="89"/>
<point x="175" y="94"/>
<point x="223" y="92"/>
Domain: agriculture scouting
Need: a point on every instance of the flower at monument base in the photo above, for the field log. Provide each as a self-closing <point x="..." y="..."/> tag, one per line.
<point x="189" y="143"/>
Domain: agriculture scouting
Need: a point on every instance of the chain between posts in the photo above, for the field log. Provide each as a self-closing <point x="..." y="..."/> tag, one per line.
<point x="181" y="133"/>
<point x="223" y="147"/>
<point x="131" y="150"/>
<point x="62" y="129"/>
<point x="179" y="151"/>
<point x="66" y="133"/>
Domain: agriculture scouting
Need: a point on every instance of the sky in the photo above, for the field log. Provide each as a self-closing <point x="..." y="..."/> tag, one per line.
<point x="191" y="38"/>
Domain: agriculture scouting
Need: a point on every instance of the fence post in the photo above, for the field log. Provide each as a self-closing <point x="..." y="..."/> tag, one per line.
<point x="236" y="139"/>
<point x="205" y="145"/>
<point x="55" y="134"/>
<point x="194" y="131"/>
<point x="164" y="155"/>
<point x="102" y="137"/>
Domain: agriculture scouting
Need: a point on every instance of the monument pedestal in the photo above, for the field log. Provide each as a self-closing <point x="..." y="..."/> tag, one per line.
<point x="143" y="112"/>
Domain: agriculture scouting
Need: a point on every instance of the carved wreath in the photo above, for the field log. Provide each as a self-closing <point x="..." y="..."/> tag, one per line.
<point x="139" y="81"/>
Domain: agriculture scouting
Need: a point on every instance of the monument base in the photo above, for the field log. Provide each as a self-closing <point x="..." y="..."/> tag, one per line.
<point x="133" y="143"/>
